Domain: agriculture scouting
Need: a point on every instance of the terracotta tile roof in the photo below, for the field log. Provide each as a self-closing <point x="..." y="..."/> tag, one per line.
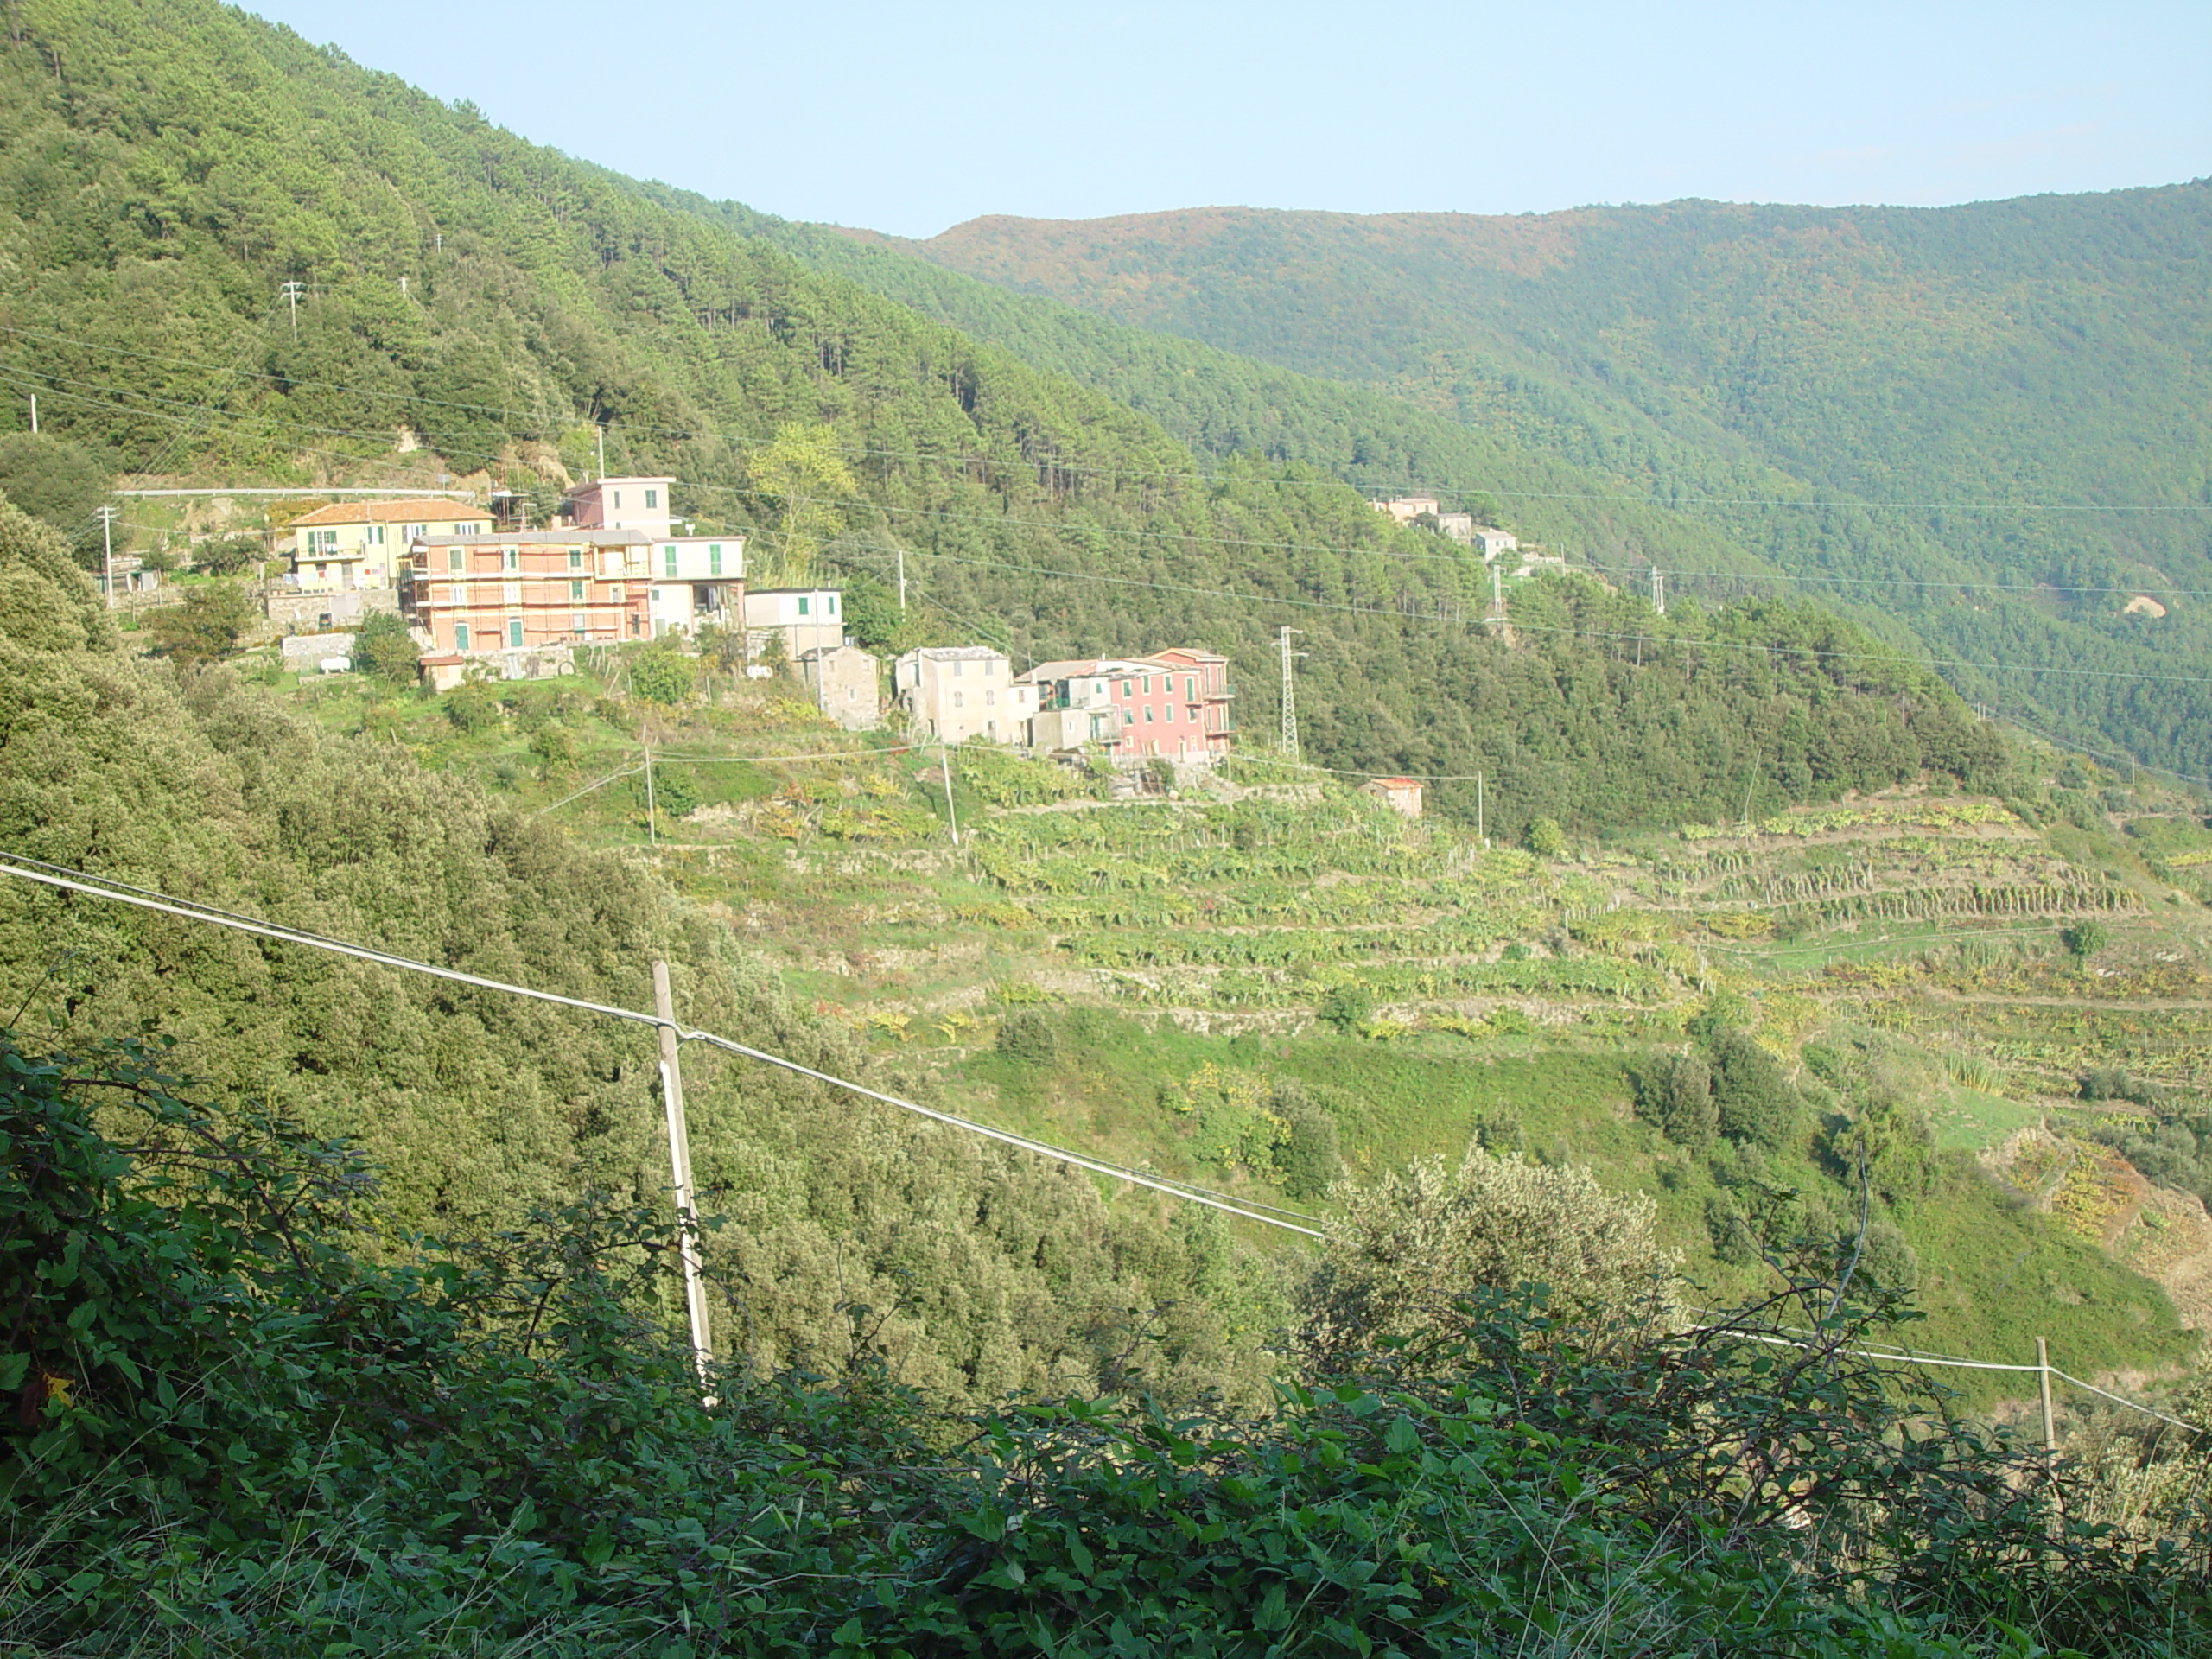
<point x="417" y="512"/>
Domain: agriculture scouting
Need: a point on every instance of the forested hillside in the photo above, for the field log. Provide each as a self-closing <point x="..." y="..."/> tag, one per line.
<point x="169" y="170"/>
<point x="481" y="1109"/>
<point x="1990" y="373"/>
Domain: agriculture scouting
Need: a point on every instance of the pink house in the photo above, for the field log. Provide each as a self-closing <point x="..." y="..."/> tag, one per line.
<point x="1172" y="705"/>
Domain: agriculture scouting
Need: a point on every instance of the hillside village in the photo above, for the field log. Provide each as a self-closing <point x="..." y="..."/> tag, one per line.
<point x="486" y="593"/>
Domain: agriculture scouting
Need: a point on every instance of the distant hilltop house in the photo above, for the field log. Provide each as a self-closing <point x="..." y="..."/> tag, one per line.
<point x="1173" y="704"/>
<point x="1401" y="795"/>
<point x="958" y="692"/>
<point x="351" y="545"/>
<point x="1459" y="526"/>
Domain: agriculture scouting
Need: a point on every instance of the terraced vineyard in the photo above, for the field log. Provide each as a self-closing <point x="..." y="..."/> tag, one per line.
<point x="1262" y="990"/>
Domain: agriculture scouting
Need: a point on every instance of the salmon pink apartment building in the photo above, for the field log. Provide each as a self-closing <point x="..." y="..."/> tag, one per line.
<point x="476" y="594"/>
<point x="1172" y="705"/>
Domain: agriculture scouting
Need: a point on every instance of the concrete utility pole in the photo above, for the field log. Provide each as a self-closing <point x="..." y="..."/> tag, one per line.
<point x="1289" y="695"/>
<point x="34" y="414"/>
<point x="1658" y="590"/>
<point x="945" y="767"/>
<point x="107" y="544"/>
<point x="652" y="822"/>
<point x="902" y="576"/>
<point x="2042" y="1380"/>
<point x="600" y="428"/>
<point x="292" y="292"/>
<point x="679" y="1159"/>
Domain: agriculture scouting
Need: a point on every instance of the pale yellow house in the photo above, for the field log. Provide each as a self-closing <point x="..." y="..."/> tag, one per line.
<point x="352" y="545"/>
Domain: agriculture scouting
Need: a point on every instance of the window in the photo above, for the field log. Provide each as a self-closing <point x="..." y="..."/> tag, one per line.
<point x="460" y="636"/>
<point x="956" y="665"/>
<point x="617" y="497"/>
<point x="514" y="633"/>
<point x="830" y="603"/>
<point x="1099" y="689"/>
<point x="990" y="699"/>
<point x="373" y="536"/>
<point x="802" y="605"/>
<point x="576" y="558"/>
<point x="652" y="499"/>
<point x="959" y="699"/>
<point x="455" y="557"/>
<point x="1125" y="688"/>
<point x="322" y="573"/>
<point x="1148" y="713"/>
<point x="511" y="592"/>
<point x="715" y="559"/>
<point x="575" y="592"/>
<point x="1169" y="714"/>
<point x="510" y="558"/>
<point x="1190" y="688"/>
<point x="578" y="622"/>
<point x="668" y="561"/>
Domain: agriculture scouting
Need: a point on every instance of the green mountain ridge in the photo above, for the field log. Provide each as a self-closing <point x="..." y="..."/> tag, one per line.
<point x="503" y="304"/>
<point x="1766" y="373"/>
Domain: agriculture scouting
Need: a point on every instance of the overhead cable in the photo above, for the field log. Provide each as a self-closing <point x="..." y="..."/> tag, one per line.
<point x="99" y="887"/>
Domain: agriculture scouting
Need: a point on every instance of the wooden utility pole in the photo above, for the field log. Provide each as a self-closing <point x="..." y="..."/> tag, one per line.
<point x="2043" y="1380"/>
<point x="679" y="1160"/>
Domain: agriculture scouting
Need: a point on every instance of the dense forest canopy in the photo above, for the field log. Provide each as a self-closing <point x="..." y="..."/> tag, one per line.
<point x="170" y="167"/>
<point x="1986" y="421"/>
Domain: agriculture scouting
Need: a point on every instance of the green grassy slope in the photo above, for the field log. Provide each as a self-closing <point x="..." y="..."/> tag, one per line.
<point x="1745" y="364"/>
<point x="1901" y="954"/>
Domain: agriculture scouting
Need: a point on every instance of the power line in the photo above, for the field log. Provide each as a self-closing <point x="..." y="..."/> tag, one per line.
<point x="1677" y="641"/>
<point x="1998" y="668"/>
<point x="1195" y="476"/>
<point x="61" y="876"/>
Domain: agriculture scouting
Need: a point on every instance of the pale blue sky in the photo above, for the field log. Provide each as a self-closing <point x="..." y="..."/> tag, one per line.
<point x="911" y="118"/>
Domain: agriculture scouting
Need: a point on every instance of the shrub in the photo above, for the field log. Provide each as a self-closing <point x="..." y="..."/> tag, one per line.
<point x="207" y="627"/>
<point x="664" y="675"/>
<point x="1544" y="838"/>
<point x="554" y="746"/>
<point x="384" y="649"/>
<point x="1752" y="1101"/>
<point x="1676" y="1094"/>
<point x="2083" y="940"/>
<point x="474" y="707"/>
<point x="1027" y="1035"/>
<point x="1344" y="1006"/>
<point x="675" y="791"/>
<point x="1402" y="1251"/>
<point x="1308" y="1161"/>
<point x="231" y="556"/>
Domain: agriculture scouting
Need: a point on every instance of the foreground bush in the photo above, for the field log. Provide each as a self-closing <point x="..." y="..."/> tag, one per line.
<point x="246" y="1425"/>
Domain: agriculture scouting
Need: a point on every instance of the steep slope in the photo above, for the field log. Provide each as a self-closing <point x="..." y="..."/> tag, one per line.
<point x="171" y="168"/>
<point x="1761" y="369"/>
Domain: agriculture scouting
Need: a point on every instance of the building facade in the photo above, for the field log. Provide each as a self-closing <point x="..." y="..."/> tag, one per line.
<point x="845" y="682"/>
<point x="1172" y="705"/>
<point x="481" y="595"/>
<point x="351" y="545"/>
<point x="809" y="619"/>
<point x="959" y="692"/>
<point x="697" y="582"/>
<point x="640" y="504"/>
<point x="1492" y="543"/>
<point x="1401" y="795"/>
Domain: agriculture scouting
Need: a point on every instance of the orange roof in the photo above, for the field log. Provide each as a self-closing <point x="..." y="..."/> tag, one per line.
<point x="1393" y="782"/>
<point x="417" y="512"/>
